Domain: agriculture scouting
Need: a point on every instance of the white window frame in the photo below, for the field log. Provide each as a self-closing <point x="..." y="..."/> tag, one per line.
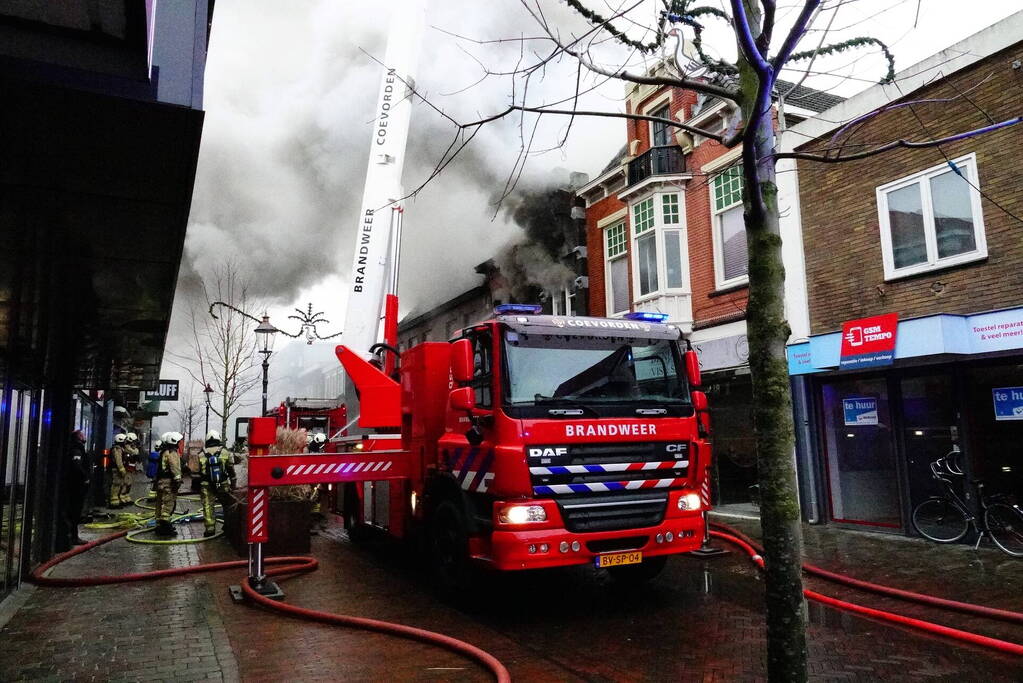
<point x="968" y="165"/>
<point x="608" y="259"/>
<point x="649" y="109"/>
<point x="660" y="229"/>
<point x="719" y="255"/>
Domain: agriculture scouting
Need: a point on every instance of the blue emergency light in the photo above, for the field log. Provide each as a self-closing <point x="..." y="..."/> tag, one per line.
<point x="521" y="309"/>
<point x="646" y="316"/>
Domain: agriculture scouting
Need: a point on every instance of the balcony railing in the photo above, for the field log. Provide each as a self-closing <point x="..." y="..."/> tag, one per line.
<point x="656" y="161"/>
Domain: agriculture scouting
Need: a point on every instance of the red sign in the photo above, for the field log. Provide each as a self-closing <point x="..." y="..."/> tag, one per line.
<point x="869" y="342"/>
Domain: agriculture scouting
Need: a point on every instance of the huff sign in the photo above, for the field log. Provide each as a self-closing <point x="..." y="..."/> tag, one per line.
<point x="166" y="390"/>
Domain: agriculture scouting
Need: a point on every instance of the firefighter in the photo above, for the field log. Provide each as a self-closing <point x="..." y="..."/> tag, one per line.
<point x="131" y="447"/>
<point x="118" y="470"/>
<point x="319" y="440"/>
<point x="217" y="476"/>
<point x="168" y="481"/>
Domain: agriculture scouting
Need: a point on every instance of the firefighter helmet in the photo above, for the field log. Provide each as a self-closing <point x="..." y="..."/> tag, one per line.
<point x="157" y="444"/>
<point x="213" y="435"/>
<point x="320" y="437"/>
<point x="133" y="437"/>
<point x="120" y="438"/>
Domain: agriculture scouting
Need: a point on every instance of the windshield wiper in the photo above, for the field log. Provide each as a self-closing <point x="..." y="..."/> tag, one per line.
<point x="540" y="400"/>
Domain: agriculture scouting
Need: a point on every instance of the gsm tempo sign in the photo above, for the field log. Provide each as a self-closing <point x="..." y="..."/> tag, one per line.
<point x="869" y="342"/>
<point x="166" y="390"/>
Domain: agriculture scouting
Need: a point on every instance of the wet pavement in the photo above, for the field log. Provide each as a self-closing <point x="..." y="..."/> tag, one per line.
<point x="701" y="620"/>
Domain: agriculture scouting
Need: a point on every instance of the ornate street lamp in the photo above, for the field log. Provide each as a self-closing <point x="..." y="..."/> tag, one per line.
<point x="266" y="333"/>
<point x="209" y="392"/>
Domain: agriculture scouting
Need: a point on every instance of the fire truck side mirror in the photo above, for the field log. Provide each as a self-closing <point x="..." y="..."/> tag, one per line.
<point x="463" y="399"/>
<point x="461" y="360"/>
<point x="693" y="368"/>
<point x="702" y="414"/>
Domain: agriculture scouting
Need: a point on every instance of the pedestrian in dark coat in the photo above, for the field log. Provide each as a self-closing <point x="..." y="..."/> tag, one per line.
<point x="76" y="484"/>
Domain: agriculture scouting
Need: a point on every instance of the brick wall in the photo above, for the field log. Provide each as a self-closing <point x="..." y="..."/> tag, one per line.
<point x="709" y="307"/>
<point x="841" y="228"/>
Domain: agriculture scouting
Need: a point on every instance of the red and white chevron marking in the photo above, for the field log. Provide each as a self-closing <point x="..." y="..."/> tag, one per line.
<point x="259" y="526"/>
<point x="705" y="492"/>
<point x="339" y="468"/>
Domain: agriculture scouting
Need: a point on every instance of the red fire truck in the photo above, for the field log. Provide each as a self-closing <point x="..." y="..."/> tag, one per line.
<point x="539" y="441"/>
<point x="323" y="415"/>
<point x="529" y="441"/>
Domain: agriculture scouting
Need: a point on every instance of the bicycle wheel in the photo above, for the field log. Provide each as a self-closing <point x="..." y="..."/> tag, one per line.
<point x="1005" y="524"/>
<point x="940" y="520"/>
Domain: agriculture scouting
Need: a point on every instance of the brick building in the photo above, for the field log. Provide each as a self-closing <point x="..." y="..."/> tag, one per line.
<point x="665" y="233"/>
<point x="931" y="237"/>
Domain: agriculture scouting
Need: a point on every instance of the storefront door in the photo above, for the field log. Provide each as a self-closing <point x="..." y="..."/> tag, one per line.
<point x="929" y="429"/>
<point x="860" y="454"/>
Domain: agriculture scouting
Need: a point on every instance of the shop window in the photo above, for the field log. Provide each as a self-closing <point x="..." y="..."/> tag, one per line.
<point x="730" y="255"/>
<point x="616" y="269"/>
<point x="860" y="453"/>
<point x="658" y="243"/>
<point x="932" y="219"/>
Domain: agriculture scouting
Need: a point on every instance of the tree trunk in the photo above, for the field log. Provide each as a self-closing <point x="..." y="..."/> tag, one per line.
<point x="767" y="332"/>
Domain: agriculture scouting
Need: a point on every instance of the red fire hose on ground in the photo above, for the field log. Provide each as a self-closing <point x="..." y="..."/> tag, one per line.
<point x="739" y="539"/>
<point x="285" y="566"/>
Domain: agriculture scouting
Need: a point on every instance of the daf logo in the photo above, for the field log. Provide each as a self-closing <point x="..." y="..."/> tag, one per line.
<point x="548" y="452"/>
<point x="677" y="447"/>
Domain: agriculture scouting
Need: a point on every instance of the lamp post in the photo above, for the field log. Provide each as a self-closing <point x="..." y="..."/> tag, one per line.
<point x="266" y="333"/>
<point x="208" y="391"/>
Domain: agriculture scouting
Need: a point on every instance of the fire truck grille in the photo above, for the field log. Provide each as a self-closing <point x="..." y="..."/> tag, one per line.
<point x="611" y="512"/>
<point x="604" y="487"/>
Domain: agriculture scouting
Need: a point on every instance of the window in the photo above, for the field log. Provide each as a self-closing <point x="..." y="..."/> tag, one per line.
<point x="659" y="133"/>
<point x="730" y="256"/>
<point x="563" y="302"/>
<point x="932" y="219"/>
<point x="616" y="269"/>
<point x="658" y="250"/>
<point x="482" y="356"/>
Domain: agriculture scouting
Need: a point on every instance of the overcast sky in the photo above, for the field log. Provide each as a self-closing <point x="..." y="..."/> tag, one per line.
<point x="289" y="97"/>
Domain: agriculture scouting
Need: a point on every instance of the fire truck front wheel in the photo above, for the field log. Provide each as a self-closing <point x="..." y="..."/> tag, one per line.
<point x="449" y="548"/>
<point x="632" y="574"/>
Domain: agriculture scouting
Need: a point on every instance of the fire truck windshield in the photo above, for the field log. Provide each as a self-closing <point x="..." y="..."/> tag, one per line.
<point x="591" y="373"/>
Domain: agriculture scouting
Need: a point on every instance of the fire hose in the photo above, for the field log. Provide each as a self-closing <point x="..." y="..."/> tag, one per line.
<point x="287" y="565"/>
<point x="739" y="539"/>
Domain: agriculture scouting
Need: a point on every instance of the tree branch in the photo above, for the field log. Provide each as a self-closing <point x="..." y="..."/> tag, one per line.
<point x="902" y="143"/>
<point x="795" y="33"/>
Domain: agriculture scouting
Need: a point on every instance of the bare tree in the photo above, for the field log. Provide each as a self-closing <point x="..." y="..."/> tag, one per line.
<point x="748" y="85"/>
<point x="222" y="349"/>
<point x="188" y="412"/>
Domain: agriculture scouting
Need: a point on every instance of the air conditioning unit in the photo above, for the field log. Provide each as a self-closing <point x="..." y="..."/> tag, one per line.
<point x="581" y="282"/>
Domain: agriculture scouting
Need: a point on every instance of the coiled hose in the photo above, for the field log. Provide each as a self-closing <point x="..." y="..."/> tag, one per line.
<point x="739" y="539"/>
<point x="288" y="565"/>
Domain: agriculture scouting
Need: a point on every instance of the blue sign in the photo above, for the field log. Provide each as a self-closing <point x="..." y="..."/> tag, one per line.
<point x="1008" y="403"/>
<point x="860" y="411"/>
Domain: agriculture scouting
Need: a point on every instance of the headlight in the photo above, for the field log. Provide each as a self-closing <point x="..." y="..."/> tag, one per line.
<point x="523" y="514"/>
<point x="689" y="501"/>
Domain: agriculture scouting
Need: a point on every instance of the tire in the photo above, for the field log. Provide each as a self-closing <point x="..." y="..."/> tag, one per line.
<point x="635" y="574"/>
<point x="449" y="549"/>
<point x="940" y="520"/>
<point x="1005" y="524"/>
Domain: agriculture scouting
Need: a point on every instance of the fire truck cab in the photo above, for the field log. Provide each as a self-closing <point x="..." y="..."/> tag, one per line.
<point x="539" y="441"/>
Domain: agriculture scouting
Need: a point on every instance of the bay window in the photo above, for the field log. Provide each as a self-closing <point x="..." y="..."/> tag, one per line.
<point x="658" y="248"/>
<point x="616" y="269"/>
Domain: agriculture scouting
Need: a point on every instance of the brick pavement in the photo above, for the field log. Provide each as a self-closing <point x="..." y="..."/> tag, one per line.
<point x="700" y="621"/>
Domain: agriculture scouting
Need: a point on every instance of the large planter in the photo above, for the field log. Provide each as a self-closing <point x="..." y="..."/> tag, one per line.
<point x="290" y="521"/>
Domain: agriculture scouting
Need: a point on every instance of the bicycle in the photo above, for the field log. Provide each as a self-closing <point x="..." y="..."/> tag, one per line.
<point x="947" y="518"/>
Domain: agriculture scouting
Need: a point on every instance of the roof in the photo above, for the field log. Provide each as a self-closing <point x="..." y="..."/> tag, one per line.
<point x="807" y="98"/>
<point x="995" y="38"/>
<point x="616" y="160"/>
<point x="414" y="318"/>
<point x="586" y="326"/>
